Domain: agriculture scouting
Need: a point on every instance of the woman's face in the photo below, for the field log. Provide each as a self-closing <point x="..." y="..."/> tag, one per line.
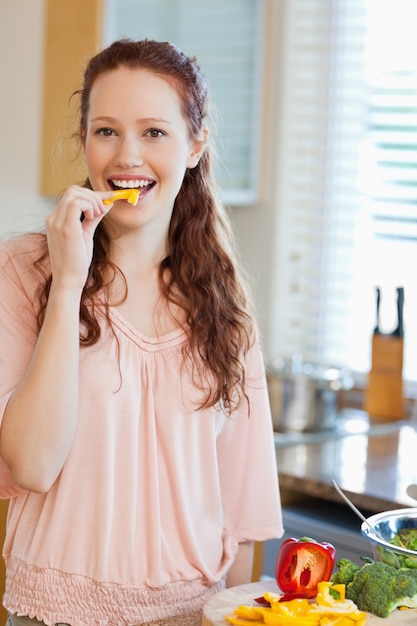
<point x="136" y="136"/>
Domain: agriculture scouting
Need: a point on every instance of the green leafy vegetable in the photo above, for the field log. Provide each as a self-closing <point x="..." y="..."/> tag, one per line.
<point x="406" y="538"/>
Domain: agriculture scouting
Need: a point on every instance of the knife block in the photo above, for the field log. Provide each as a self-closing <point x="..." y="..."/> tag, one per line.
<point x="384" y="394"/>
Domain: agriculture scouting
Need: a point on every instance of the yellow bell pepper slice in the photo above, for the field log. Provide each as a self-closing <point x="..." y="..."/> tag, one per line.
<point x="131" y="195"/>
<point x="237" y="621"/>
<point x="324" y="596"/>
<point x="249" y="612"/>
<point x="297" y="606"/>
<point x="291" y="620"/>
<point x="272" y="598"/>
<point x="343" y="620"/>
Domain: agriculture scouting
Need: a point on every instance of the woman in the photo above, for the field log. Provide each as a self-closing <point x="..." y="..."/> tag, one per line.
<point x="136" y="442"/>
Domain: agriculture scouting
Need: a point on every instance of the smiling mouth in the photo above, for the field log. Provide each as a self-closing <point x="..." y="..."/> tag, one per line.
<point x="142" y="185"/>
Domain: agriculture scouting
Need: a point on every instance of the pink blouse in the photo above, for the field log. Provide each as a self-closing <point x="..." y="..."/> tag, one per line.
<point x="145" y="517"/>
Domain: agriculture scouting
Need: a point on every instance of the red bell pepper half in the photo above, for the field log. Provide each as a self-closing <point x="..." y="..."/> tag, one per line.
<point x="301" y="564"/>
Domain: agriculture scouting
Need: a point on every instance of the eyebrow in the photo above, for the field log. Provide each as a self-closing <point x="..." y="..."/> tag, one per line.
<point x="146" y="120"/>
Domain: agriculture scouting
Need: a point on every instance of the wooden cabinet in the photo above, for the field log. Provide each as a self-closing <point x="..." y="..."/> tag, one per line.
<point x="73" y="33"/>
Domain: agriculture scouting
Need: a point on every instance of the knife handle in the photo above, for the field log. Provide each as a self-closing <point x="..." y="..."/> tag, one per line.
<point x="378" y="303"/>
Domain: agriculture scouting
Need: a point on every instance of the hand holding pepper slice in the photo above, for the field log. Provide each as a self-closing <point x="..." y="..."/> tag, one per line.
<point x="301" y="564"/>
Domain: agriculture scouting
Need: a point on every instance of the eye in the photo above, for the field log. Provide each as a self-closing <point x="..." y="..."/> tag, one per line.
<point x="105" y="132"/>
<point x="155" y="133"/>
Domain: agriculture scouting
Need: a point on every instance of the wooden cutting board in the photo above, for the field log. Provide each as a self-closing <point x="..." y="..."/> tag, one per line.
<point x="227" y="601"/>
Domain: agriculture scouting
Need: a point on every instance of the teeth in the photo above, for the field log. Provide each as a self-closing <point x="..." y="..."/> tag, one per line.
<point x="131" y="184"/>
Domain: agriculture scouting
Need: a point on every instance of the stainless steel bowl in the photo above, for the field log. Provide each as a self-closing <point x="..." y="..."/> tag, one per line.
<point x="387" y="525"/>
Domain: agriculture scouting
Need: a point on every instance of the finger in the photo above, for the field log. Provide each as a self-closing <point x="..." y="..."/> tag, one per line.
<point x="75" y="200"/>
<point x="99" y="207"/>
<point x="90" y="224"/>
<point x="89" y="211"/>
<point x="106" y="195"/>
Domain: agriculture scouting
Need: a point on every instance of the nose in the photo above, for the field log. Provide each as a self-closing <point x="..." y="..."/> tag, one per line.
<point x="129" y="153"/>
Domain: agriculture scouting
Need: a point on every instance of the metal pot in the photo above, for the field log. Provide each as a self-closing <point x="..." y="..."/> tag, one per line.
<point x="305" y="397"/>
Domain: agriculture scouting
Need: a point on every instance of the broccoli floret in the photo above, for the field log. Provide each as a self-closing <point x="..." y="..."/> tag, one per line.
<point x="380" y="588"/>
<point x="345" y="573"/>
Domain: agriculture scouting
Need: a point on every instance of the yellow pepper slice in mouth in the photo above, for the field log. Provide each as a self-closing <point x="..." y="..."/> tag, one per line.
<point x="131" y="195"/>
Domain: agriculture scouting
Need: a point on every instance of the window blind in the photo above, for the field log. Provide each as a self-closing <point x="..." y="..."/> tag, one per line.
<point x="226" y="38"/>
<point x="347" y="204"/>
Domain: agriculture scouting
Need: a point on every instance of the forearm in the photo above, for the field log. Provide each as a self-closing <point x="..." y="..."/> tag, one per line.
<point x="240" y="572"/>
<point x="40" y="419"/>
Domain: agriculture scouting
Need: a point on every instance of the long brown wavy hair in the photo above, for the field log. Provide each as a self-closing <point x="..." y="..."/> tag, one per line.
<point x="200" y="272"/>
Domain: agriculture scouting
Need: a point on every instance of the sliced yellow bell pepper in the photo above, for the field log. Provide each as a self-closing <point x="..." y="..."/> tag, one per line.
<point x="249" y="612"/>
<point x="297" y="606"/>
<point x="343" y="620"/>
<point x="274" y="619"/>
<point x="131" y="195"/>
<point x="237" y="621"/>
<point x="272" y="597"/>
<point x="325" y="597"/>
<point x="330" y="609"/>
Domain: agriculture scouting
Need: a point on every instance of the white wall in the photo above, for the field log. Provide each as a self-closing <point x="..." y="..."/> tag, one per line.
<point x="21" y="50"/>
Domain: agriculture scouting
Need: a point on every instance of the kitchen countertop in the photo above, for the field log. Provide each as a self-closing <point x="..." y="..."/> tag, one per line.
<point x="372" y="461"/>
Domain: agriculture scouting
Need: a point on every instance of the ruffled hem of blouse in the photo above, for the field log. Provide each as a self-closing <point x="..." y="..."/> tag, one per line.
<point x="55" y="597"/>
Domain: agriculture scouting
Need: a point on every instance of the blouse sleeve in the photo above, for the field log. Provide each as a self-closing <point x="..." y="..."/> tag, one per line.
<point x="18" y="336"/>
<point x="247" y="462"/>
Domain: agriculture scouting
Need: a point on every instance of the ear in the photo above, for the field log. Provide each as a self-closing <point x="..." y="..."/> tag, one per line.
<point x="198" y="147"/>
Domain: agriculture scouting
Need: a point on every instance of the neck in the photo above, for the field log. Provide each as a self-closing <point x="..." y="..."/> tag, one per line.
<point x="137" y="251"/>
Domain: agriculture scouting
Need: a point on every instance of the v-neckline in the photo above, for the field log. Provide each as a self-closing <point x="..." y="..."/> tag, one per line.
<point x="172" y="337"/>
